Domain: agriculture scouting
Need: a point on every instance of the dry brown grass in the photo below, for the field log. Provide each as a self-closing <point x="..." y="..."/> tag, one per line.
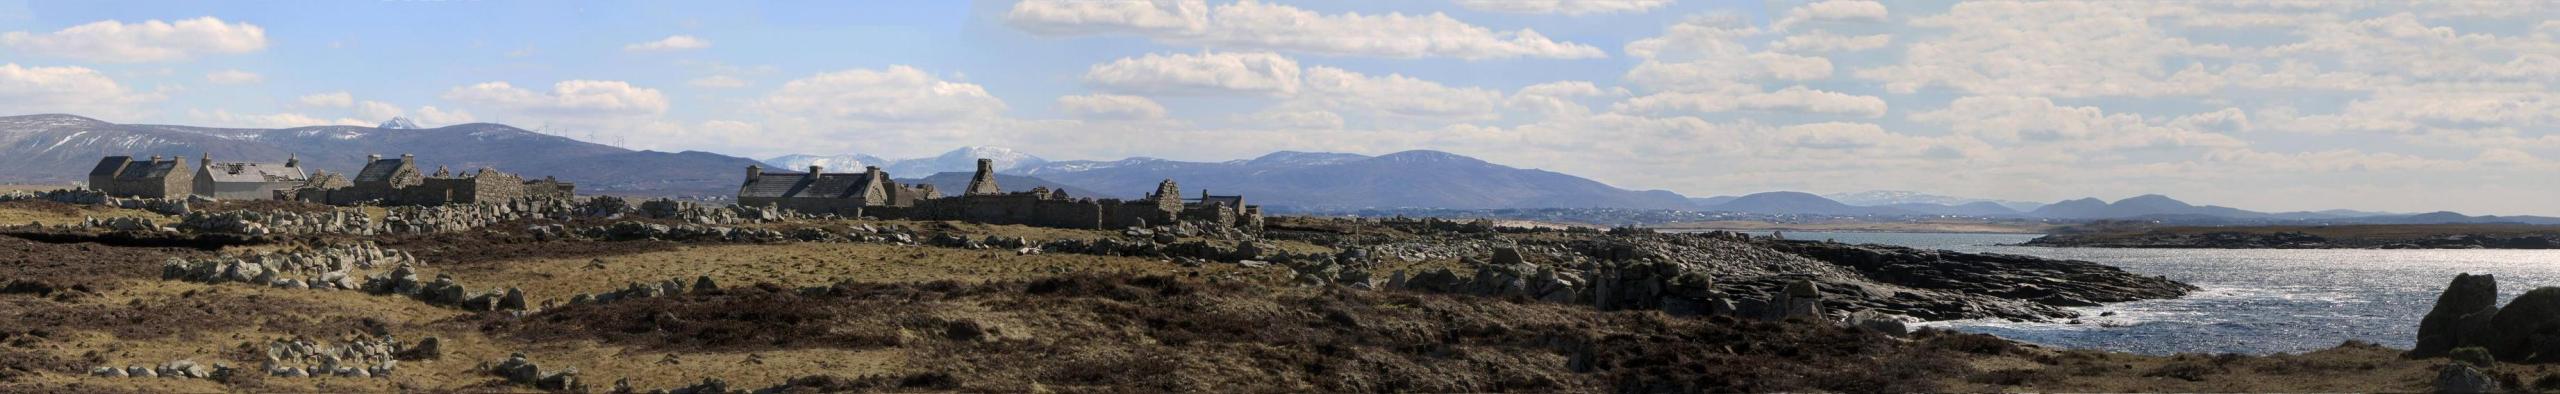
<point x="52" y="213"/>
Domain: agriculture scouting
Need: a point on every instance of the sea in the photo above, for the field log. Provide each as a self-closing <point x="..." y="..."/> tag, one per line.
<point x="2254" y="301"/>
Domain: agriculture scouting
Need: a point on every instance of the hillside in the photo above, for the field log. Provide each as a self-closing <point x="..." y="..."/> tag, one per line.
<point x="1324" y="181"/>
<point x="60" y="149"/>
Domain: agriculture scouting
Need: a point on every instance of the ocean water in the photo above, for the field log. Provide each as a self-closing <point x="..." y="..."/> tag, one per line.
<point x="2255" y="301"/>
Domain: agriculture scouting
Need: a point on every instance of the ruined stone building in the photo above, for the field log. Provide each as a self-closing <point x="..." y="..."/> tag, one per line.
<point x="398" y="181"/>
<point x="249" y="181"/>
<point x="872" y="194"/>
<point x="816" y="191"/>
<point x="122" y="176"/>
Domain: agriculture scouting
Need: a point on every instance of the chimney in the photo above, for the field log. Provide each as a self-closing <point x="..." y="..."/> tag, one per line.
<point x="754" y="172"/>
<point x="408" y="158"/>
<point x="369" y="159"/>
<point x="815" y="172"/>
<point x="292" y="161"/>
<point x="155" y="158"/>
<point x="206" y="161"/>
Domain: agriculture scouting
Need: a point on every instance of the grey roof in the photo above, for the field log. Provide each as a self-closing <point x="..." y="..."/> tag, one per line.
<point x="110" y="165"/>
<point x="149" y="170"/>
<point x="379" y="170"/>
<point x="255" y="173"/>
<point x="798" y="185"/>
<point x="1231" y="201"/>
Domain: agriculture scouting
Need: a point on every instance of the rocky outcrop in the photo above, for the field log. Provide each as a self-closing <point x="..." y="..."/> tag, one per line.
<point x="2065" y="283"/>
<point x="2461" y="316"/>
<point x="2527" y="329"/>
<point x="2455" y="239"/>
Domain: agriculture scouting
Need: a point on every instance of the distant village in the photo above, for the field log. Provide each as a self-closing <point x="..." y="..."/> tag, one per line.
<point x="870" y="193"/>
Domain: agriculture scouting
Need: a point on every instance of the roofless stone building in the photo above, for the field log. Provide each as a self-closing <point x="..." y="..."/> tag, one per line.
<point x="872" y="193"/>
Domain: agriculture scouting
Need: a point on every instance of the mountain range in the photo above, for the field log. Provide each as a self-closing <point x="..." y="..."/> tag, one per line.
<point x="55" y="148"/>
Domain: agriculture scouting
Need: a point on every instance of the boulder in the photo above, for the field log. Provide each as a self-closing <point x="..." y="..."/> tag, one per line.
<point x="2528" y="328"/>
<point x="1801" y="299"/>
<point x="2461" y="378"/>
<point x="2443" y="330"/>
<point x="425" y="349"/>
<point x="513" y="301"/>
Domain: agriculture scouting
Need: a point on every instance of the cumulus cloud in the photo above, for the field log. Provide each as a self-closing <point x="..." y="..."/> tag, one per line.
<point x="1827" y="42"/>
<point x="233" y="77"/>
<point x="1395" y="96"/>
<point x="2039" y="121"/>
<point x="671" y="43"/>
<point x="1832" y="10"/>
<point x="1253" y="25"/>
<point x="147" y="41"/>
<point x="573" y="99"/>
<point x="330" y="100"/>
<point x="226" y="118"/>
<point x="69" y="89"/>
<point x="1567" y="7"/>
<point x="898" y="94"/>
<point x="1791" y="99"/>
<point x="718" y="82"/>
<point x="1110" y="107"/>
<point x="1204" y="73"/>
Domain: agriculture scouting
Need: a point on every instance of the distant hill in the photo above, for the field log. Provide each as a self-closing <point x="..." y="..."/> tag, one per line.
<point x="57" y="148"/>
<point x="1878" y="198"/>
<point x="1798" y="203"/>
<point x="1329" y="181"/>
<point x="1979" y="208"/>
<point x="2139" y="206"/>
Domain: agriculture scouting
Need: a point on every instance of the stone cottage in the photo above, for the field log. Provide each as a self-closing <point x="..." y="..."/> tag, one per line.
<point x="398" y="181"/>
<point x="122" y="176"/>
<point x="872" y="194"/>
<point x="248" y="181"/>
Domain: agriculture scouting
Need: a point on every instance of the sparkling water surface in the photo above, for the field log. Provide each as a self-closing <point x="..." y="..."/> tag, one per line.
<point x="2255" y="301"/>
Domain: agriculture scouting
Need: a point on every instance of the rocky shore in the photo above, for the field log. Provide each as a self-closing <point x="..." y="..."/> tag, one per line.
<point x="641" y="295"/>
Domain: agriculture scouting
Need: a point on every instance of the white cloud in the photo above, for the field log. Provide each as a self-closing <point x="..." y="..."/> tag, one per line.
<point x="1791" y="99"/>
<point x="224" y="118"/>
<point x="329" y="100"/>
<point x="718" y="82"/>
<point x="1110" y="107"/>
<point x="1567" y="7"/>
<point x="430" y="116"/>
<point x="1252" y="25"/>
<point x="898" y="94"/>
<point x="671" y="43"/>
<point x="1827" y="42"/>
<point x="1558" y="98"/>
<point x="1832" y="10"/>
<point x="2040" y="122"/>
<point x="68" y="89"/>
<point x="1395" y="96"/>
<point x="1708" y="54"/>
<point x="1309" y="119"/>
<point x="2053" y="49"/>
<point x="147" y="41"/>
<point x="569" y="99"/>
<point x="233" y="77"/>
<point x="378" y="111"/>
<point x="1204" y="73"/>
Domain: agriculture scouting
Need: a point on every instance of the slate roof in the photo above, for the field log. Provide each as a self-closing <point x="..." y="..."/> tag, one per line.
<point x="255" y="173"/>
<point x="149" y="170"/>
<point x="798" y="185"/>
<point x="379" y="170"/>
<point x="1231" y="201"/>
<point x="108" y="166"/>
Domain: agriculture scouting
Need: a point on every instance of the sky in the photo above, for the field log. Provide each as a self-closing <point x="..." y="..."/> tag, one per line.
<point x="2258" y="104"/>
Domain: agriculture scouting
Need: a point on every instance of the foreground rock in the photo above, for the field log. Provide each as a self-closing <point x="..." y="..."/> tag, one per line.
<point x="2460" y="317"/>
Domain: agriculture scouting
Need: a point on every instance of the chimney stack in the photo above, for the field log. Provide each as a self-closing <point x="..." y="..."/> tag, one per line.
<point x="754" y="172"/>
<point x="369" y="159"/>
<point x="408" y="158"/>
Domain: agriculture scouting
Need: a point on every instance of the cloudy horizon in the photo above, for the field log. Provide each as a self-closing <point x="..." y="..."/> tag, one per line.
<point x="2265" y="105"/>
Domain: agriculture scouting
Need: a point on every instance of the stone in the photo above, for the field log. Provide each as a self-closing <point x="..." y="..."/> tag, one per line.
<point x="140" y="372"/>
<point x="111" y="372"/>
<point x="704" y="284"/>
<point x="426" y="349"/>
<point x="1801" y="299"/>
<point x="563" y="380"/>
<point x="2443" y="329"/>
<point x="2461" y="378"/>
<point x="1879" y="322"/>
<point x="1508" y="256"/>
<point x="513" y="301"/>
<point x="2528" y="328"/>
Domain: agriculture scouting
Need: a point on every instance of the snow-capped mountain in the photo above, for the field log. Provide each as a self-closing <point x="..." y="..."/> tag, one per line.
<point x="398" y="123"/>
<point x="964" y="159"/>
<point x="833" y="163"/>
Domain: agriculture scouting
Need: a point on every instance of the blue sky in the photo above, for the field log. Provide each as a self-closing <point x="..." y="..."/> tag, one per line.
<point x="2271" y="105"/>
